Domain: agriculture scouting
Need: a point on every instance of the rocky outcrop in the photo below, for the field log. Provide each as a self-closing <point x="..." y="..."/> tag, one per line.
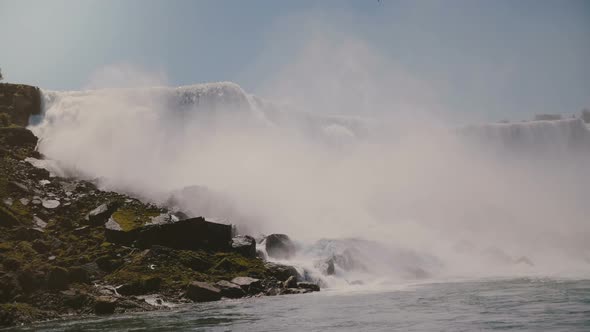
<point x="19" y="102"/>
<point x="279" y="246"/>
<point x="68" y="248"/>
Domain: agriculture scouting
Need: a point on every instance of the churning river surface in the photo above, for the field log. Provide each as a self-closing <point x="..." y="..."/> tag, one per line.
<point x="524" y="304"/>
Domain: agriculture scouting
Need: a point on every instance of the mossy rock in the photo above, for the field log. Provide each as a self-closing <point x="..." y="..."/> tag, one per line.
<point x="130" y="218"/>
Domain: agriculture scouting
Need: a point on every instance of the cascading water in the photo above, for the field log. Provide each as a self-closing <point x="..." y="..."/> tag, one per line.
<point x="386" y="201"/>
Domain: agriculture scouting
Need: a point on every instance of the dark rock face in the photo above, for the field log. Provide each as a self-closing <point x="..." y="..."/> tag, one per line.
<point x="279" y="246"/>
<point x="203" y="292"/>
<point x="19" y="102"/>
<point x="101" y="214"/>
<point x="104" y="305"/>
<point x="230" y="290"/>
<point x="244" y="245"/>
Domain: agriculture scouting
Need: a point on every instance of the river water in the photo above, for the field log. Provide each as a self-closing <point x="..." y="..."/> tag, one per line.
<point x="524" y="304"/>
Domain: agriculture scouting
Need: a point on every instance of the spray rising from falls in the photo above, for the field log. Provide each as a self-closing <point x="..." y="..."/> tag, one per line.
<point x="379" y="199"/>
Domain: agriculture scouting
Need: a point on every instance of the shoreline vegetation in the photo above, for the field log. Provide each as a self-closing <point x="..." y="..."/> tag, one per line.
<point x="68" y="248"/>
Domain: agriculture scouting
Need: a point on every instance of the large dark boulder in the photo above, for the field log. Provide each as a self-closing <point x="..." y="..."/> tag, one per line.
<point x="189" y="234"/>
<point x="279" y="246"/>
<point x="199" y="291"/>
<point x="244" y="245"/>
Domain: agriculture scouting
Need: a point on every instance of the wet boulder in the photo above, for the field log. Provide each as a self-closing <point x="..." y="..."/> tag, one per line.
<point x="279" y="246"/>
<point x="230" y="290"/>
<point x="199" y="291"/>
<point x="244" y="245"/>
<point x="282" y="272"/>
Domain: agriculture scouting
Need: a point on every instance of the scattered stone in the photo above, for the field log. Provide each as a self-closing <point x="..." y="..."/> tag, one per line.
<point x="44" y="182"/>
<point x="8" y="201"/>
<point x="39" y="222"/>
<point x="24" y="201"/>
<point x="202" y="292"/>
<point x="244" y="245"/>
<point x="50" y="203"/>
<point x="279" y="246"/>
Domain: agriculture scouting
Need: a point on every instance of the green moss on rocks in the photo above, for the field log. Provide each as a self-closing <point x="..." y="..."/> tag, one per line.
<point x="130" y="218"/>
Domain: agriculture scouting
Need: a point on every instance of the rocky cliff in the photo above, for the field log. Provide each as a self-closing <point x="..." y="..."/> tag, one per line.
<point x="68" y="248"/>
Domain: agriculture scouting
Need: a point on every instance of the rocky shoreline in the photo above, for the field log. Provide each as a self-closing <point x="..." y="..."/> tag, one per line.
<point x="68" y="248"/>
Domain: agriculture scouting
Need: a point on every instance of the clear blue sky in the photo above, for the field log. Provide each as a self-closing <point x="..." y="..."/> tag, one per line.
<point x="502" y="57"/>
